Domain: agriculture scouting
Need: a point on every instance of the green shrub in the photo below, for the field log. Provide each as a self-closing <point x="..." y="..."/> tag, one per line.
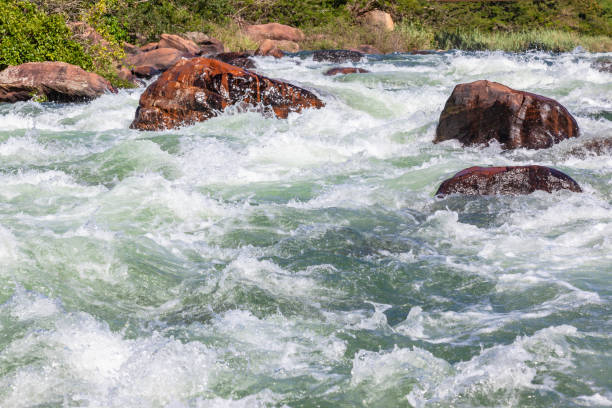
<point x="26" y="34"/>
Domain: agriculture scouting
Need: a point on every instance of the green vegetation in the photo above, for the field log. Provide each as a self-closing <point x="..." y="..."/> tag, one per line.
<point x="26" y="34"/>
<point x="37" y="30"/>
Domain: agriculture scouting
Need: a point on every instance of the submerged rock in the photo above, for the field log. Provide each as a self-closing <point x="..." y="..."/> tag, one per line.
<point x="345" y="70"/>
<point x="481" y="111"/>
<point x="51" y="81"/>
<point x="507" y="180"/>
<point x="366" y="49"/>
<point x="603" y="65"/>
<point x="337" y="56"/>
<point x="597" y="147"/>
<point x="198" y="89"/>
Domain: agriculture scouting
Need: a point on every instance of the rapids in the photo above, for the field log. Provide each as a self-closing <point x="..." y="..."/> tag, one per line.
<point x="248" y="261"/>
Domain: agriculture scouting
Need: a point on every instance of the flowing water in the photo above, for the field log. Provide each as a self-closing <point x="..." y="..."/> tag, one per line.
<point x="249" y="261"/>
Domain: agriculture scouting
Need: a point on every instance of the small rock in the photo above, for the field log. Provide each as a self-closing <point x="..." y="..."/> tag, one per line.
<point x="378" y="19"/>
<point x="268" y="48"/>
<point x="345" y="70"/>
<point x="273" y="31"/>
<point x="481" y="111"/>
<point x="212" y="46"/>
<point x="131" y="48"/>
<point x="367" y="49"/>
<point x="151" y="63"/>
<point x="149" y="47"/>
<point x="178" y="43"/>
<point x="197" y="37"/>
<point x="200" y="88"/>
<point x="238" y="59"/>
<point x="337" y="56"/>
<point x="603" y="65"/>
<point x="598" y="147"/>
<point x="508" y="180"/>
<point x="51" y="81"/>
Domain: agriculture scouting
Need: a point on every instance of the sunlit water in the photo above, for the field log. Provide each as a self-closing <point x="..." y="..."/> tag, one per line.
<point x="248" y="261"/>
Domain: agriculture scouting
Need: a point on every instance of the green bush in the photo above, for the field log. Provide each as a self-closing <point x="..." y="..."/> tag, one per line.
<point x="26" y="34"/>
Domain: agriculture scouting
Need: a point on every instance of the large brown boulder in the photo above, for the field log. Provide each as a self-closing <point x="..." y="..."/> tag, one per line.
<point x="51" y="81"/>
<point x="508" y="180"/>
<point x="178" y="43"/>
<point x="147" y="64"/>
<point x="273" y="31"/>
<point x="345" y="70"/>
<point x="481" y="111"/>
<point x="337" y="56"/>
<point x="198" y="89"/>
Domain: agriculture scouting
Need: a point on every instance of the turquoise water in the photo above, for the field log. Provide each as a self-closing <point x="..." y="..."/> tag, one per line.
<point x="248" y="261"/>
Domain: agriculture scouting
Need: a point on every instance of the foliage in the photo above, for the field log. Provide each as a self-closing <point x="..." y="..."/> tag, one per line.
<point x="543" y="40"/>
<point x="27" y="34"/>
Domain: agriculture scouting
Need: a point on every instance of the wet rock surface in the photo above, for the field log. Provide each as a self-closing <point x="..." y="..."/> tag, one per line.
<point x="507" y="180"/>
<point x="197" y="89"/>
<point x="51" y="81"/>
<point x="478" y="112"/>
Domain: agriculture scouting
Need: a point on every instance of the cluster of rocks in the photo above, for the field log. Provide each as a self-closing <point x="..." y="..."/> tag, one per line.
<point x="200" y="79"/>
<point x="481" y="112"/>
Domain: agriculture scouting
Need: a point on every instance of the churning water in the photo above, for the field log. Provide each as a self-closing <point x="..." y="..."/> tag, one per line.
<point x="248" y="261"/>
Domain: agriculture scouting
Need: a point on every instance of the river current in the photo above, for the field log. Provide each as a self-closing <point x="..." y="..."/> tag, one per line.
<point x="254" y="262"/>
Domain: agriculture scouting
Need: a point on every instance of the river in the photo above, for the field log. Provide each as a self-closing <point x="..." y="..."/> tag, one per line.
<point x="254" y="262"/>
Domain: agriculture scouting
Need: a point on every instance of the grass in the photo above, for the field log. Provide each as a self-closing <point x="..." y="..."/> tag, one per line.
<point x="231" y="36"/>
<point x="409" y="37"/>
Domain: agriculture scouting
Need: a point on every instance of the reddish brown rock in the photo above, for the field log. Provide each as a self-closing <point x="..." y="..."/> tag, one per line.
<point x="239" y="59"/>
<point x="481" y="111"/>
<point x="366" y="49"/>
<point x="345" y="70"/>
<point x="337" y="56"/>
<point x="178" y="43"/>
<point x="151" y="63"/>
<point x="198" y="89"/>
<point x="274" y="31"/>
<point x="52" y="81"/>
<point x="268" y="48"/>
<point x="509" y="180"/>
<point x="149" y="47"/>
